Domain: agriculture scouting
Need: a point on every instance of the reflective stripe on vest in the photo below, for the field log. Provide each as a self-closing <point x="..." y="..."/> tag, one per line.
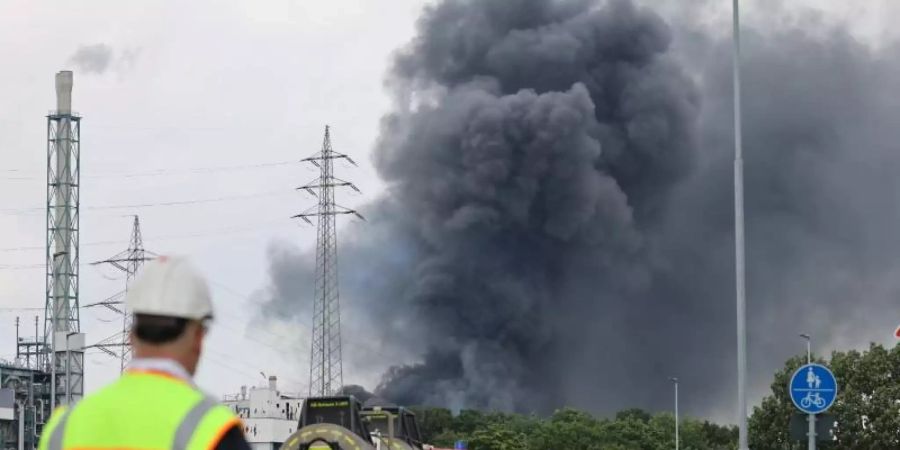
<point x="190" y="423"/>
<point x="56" y="437"/>
<point x="141" y="410"/>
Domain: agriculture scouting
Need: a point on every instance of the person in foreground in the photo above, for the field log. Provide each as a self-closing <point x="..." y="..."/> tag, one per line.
<point x="155" y="404"/>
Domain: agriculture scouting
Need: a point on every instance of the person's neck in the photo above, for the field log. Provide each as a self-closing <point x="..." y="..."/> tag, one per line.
<point x="162" y="354"/>
<point x="164" y="365"/>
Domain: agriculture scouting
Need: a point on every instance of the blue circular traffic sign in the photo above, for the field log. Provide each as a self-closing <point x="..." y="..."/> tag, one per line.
<point x="813" y="388"/>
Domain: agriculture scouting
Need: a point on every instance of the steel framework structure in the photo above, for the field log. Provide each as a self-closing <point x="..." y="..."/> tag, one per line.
<point x="128" y="261"/>
<point x="30" y="350"/>
<point x="326" y="366"/>
<point x="61" y="318"/>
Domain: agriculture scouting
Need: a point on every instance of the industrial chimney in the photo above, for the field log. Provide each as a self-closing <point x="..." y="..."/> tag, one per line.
<point x="64" y="92"/>
<point x="62" y="328"/>
<point x="273" y="382"/>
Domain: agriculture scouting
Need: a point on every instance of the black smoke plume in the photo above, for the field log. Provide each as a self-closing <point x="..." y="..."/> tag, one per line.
<point x="557" y="227"/>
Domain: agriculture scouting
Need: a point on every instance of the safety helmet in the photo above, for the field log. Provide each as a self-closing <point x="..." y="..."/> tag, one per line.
<point x="172" y="287"/>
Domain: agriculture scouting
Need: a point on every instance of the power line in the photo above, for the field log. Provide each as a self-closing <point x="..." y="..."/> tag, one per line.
<point x="161" y="172"/>
<point x="220" y="231"/>
<point x="304" y="328"/>
<point x="198" y="234"/>
<point x="13" y="309"/>
<point x="223" y="360"/>
<point x="20" y="211"/>
<point x="191" y="202"/>
<point x="13" y="266"/>
<point x="31" y="266"/>
<point x="43" y="247"/>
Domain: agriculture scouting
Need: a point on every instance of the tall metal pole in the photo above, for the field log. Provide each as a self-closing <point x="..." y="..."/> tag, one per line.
<point x="811" y="433"/>
<point x="739" y="238"/>
<point x="675" y="381"/>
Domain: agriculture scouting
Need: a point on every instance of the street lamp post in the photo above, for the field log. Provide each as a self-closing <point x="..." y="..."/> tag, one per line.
<point x="808" y="347"/>
<point x="675" y="382"/>
<point x="739" y="239"/>
<point x="811" y="433"/>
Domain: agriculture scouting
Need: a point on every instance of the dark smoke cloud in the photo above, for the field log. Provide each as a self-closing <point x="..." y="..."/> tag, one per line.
<point x="557" y="228"/>
<point x="357" y="391"/>
<point x="550" y="139"/>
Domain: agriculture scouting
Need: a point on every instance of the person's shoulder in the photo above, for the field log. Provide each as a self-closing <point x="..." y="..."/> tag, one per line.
<point x="231" y="436"/>
<point x="224" y="414"/>
<point x="99" y="394"/>
<point x="56" y="415"/>
<point x="233" y="439"/>
<point x="104" y="399"/>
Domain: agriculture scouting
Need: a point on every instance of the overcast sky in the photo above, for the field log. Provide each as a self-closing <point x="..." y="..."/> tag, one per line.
<point x="210" y="100"/>
<point x="173" y="87"/>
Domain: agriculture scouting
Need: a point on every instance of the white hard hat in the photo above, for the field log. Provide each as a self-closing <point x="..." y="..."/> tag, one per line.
<point x="171" y="287"/>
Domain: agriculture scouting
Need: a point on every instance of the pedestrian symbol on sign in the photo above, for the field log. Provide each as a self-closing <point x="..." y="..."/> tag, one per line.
<point x="813" y="388"/>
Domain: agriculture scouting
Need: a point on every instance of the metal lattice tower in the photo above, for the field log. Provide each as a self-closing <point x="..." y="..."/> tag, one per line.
<point x="128" y="261"/>
<point x="326" y="367"/>
<point x="61" y="318"/>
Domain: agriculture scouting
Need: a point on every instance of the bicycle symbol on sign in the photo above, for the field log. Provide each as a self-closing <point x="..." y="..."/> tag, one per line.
<point x="812" y="399"/>
<point x="813" y="388"/>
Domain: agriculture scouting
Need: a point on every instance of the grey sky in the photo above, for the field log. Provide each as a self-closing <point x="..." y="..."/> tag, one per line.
<point x="211" y="84"/>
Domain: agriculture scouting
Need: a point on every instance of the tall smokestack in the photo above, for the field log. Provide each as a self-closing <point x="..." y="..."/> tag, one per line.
<point x="62" y="327"/>
<point x="64" y="92"/>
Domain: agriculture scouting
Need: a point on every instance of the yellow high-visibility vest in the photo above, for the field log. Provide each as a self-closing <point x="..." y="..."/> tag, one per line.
<point x="142" y="410"/>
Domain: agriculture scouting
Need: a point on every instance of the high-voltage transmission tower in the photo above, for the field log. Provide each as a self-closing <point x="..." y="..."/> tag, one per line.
<point x="128" y="261"/>
<point x="62" y="330"/>
<point x="326" y="367"/>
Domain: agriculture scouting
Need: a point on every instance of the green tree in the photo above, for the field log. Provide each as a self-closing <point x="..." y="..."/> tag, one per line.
<point x="572" y="429"/>
<point x="631" y="432"/>
<point x="468" y="421"/>
<point x="496" y="436"/>
<point x="634" y="413"/>
<point x="433" y="421"/>
<point x="719" y="437"/>
<point x="446" y="438"/>
<point x="770" y="422"/>
<point x="866" y="409"/>
<point x="567" y="428"/>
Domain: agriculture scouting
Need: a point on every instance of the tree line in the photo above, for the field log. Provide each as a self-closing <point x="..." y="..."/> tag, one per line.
<point x="570" y="429"/>
<point x="865" y="415"/>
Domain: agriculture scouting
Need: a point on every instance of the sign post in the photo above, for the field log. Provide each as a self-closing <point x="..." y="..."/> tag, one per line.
<point x="813" y="389"/>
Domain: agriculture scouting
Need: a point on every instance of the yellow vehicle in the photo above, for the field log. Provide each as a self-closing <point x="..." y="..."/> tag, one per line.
<point x="330" y="423"/>
<point x="341" y="423"/>
<point x="392" y="427"/>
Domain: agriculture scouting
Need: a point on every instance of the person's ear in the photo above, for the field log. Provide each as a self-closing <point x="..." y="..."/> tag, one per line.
<point x="199" y="334"/>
